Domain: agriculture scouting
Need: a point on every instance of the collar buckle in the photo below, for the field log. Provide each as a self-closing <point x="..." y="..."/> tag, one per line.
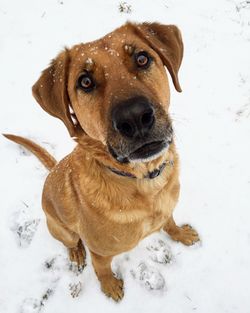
<point x="155" y="173"/>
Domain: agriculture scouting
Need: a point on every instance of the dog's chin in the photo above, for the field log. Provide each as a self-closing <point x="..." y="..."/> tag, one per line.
<point x="145" y="153"/>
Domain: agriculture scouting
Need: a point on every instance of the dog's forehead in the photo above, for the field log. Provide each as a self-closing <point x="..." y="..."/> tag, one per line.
<point x="106" y="49"/>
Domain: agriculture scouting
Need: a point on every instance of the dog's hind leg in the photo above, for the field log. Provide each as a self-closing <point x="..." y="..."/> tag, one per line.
<point x="185" y="234"/>
<point x="71" y="240"/>
<point x="111" y="286"/>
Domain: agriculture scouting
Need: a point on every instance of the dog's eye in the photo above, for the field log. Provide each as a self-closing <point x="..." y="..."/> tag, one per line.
<point x="86" y="82"/>
<point x="142" y="59"/>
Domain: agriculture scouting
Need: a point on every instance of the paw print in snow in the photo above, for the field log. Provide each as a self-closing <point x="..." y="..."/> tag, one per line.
<point x="149" y="277"/>
<point x="75" y="289"/>
<point x="24" y="227"/>
<point x="32" y="305"/>
<point x="160" y="252"/>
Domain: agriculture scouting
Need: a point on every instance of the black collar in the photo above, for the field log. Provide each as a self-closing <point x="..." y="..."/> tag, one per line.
<point x="155" y="173"/>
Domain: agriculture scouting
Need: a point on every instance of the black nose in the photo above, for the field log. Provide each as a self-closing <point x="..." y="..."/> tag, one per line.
<point x="133" y="117"/>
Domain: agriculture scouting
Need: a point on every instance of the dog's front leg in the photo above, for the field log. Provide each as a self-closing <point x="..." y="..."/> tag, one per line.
<point x="110" y="285"/>
<point x="185" y="234"/>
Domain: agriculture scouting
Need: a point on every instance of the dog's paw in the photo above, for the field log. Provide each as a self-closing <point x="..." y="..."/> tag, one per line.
<point x="186" y="235"/>
<point x="77" y="257"/>
<point x="160" y="252"/>
<point x="149" y="277"/>
<point x="112" y="287"/>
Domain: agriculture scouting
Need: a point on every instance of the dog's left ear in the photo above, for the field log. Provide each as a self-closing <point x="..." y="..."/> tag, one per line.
<point x="167" y="42"/>
<point x="50" y="91"/>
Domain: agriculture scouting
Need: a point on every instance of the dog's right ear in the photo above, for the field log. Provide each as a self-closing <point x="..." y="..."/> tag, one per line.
<point x="50" y="91"/>
<point x="166" y="40"/>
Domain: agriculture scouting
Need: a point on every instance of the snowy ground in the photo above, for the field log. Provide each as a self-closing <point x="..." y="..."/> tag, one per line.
<point x="212" y="124"/>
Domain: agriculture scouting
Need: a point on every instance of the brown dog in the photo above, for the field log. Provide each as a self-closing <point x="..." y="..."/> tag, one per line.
<point x="120" y="183"/>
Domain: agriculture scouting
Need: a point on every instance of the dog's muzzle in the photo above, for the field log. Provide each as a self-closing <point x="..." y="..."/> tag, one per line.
<point x="134" y="121"/>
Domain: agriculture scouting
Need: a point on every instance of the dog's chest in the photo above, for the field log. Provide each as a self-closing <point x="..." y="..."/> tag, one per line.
<point x="157" y="214"/>
<point x="152" y="223"/>
<point x="148" y="212"/>
<point x="122" y="229"/>
<point x="117" y="216"/>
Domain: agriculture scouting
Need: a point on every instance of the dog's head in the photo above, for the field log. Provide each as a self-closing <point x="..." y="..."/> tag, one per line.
<point x="116" y="89"/>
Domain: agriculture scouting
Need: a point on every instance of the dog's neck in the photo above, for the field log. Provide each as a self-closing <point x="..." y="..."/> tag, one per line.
<point x="150" y="175"/>
<point x="148" y="170"/>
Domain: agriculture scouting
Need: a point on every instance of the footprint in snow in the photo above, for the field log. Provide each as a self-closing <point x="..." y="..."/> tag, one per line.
<point x="149" y="277"/>
<point x="24" y="227"/>
<point x="75" y="289"/>
<point x="32" y="305"/>
<point x="59" y="266"/>
<point x="62" y="263"/>
<point x="160" y="252"/>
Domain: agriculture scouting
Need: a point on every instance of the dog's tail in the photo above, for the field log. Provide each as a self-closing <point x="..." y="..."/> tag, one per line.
<point x="48" y="161"/>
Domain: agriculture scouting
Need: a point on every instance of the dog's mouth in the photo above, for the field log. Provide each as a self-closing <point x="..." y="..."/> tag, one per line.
<point x="146" y="152"/>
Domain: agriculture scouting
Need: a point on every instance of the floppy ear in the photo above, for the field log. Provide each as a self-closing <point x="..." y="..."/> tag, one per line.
<point x="167" y="42"/>
<point x="50" y="91"/>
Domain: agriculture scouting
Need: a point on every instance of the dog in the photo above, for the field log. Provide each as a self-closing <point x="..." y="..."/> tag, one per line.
<point x="121" y="182"/>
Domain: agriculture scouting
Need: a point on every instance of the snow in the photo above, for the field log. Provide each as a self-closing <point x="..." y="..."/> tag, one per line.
<point x="212" y="126"/>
